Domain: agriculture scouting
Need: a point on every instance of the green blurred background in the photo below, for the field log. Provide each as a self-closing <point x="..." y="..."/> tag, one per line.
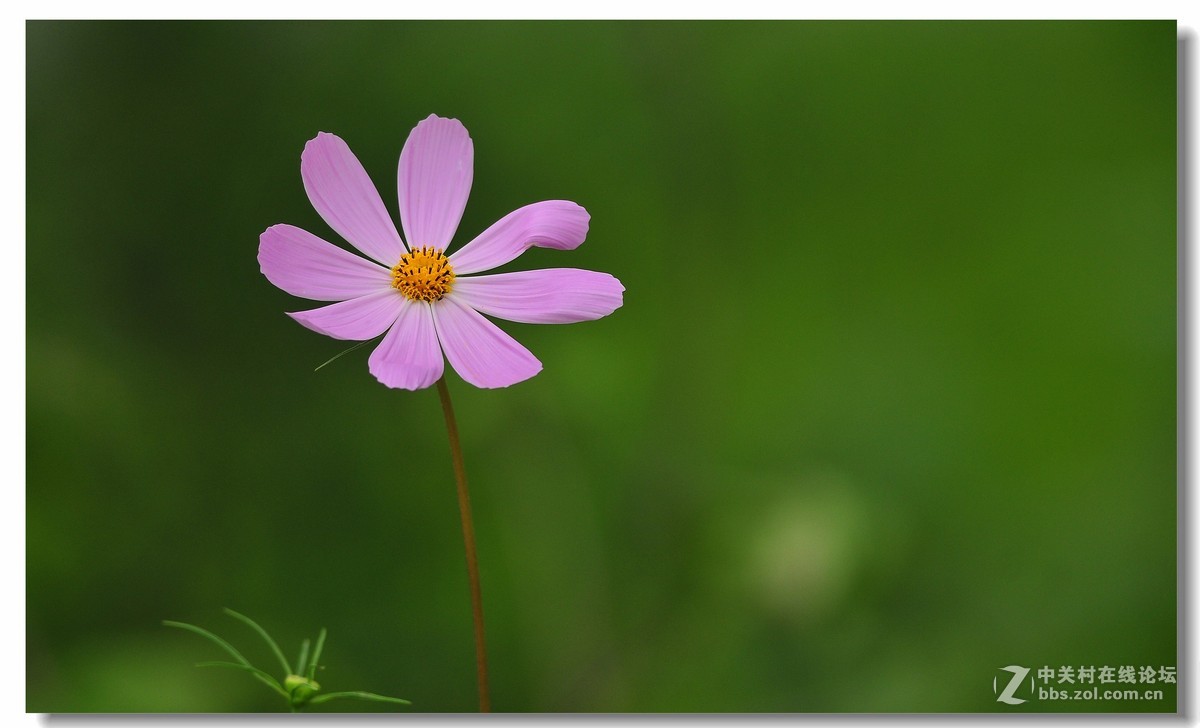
<point x="890" y="403"/>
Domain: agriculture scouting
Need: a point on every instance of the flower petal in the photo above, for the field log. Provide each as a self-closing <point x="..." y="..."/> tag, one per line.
<point x="409" y="357"/>
<point x="550" y="296"/>
<point x="481" y="353"/>
<point x="434" y="180"/>
<point x="551" y="224"/>
<point x="358" y="319"/>
<point x="344" y="197"/>
<point x="306" y="266"/>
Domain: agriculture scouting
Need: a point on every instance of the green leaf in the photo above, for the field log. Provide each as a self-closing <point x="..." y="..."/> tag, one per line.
<point x="360" y="696"/>
<point x="316" y="655"/>
<point x="264" y="677"/>
<point x="287" y="669"/>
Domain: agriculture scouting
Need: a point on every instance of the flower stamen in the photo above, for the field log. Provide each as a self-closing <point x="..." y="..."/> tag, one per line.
<point x="425" y="274"/>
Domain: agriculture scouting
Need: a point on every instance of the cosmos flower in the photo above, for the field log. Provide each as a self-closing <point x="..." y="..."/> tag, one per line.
<point x="426" y="301"/>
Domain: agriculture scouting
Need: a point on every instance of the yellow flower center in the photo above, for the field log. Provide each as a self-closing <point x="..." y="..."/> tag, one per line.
<point x="424" y="274"/>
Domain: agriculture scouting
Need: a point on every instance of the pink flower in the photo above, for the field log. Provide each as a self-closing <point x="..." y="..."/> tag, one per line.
<point x="426" y="301"/>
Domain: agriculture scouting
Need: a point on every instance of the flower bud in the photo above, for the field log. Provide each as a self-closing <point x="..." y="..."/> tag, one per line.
<point x="300" y="688"/>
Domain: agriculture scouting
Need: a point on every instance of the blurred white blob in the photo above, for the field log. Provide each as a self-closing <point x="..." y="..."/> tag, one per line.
<point x="809" y="547"/>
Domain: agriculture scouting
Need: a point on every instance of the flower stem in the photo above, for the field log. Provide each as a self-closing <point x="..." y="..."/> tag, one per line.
<point x="464" y="509"/>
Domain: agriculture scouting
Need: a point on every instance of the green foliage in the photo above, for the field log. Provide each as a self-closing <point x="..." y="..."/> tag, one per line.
<point x="299" y="690"/>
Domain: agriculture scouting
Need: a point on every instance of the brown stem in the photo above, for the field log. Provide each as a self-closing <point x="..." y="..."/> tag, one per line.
<point x="464" y="509"/>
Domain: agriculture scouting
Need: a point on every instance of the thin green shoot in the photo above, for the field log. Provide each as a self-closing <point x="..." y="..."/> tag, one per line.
<point x="302" y="663"/>
<point x="360" y="696"/>
<point x="339" y="356"/>
<point x="210" y="636"/>
<point x="270" y="681"/>
<point x="287" y="668"/>
<point x="316" y="655"/>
